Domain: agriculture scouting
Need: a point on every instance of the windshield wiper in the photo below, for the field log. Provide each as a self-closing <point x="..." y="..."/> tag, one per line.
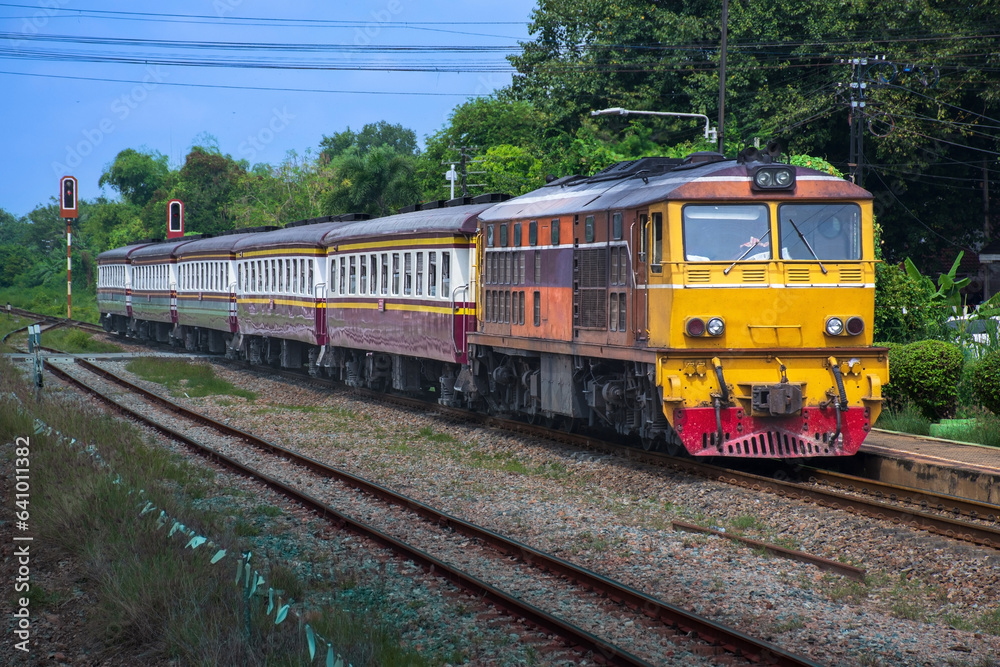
<point x="808" y="247"/>
<point x="740" y="258"/>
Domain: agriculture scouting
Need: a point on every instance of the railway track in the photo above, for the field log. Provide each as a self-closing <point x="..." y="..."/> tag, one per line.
<point x="945" y="515"/>
<point x="603" y="602"/>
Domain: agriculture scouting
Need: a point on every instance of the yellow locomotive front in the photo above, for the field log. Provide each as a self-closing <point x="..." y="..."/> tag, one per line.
<point x="760" y="304"/>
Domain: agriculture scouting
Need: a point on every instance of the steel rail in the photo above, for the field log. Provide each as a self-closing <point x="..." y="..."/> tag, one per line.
<point x="730" y="639"/>
<point x="941" y="525"/>
<point x="941" y="502"/>
<point x="577" y="637"/>
<point x="954" y="528"/>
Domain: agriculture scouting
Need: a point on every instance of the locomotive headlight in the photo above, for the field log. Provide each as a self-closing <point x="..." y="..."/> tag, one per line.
<point x="834" y="326"/>
<point x="772" y="177"/>
<point x="716" y="327"/>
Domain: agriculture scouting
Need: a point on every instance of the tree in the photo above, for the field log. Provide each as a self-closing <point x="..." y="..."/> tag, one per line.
<point x="931" y="119"/>
<point x="375" y="182"/>
<point x="372" y="135"/>
<point x="136" y="176"/>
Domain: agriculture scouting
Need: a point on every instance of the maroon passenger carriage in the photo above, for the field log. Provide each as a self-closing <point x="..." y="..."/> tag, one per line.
<point x="206" y="291"/>
<point x="153" y="291"/>
<point x="401" y="297"/>
<point x="281" y="294"/>
<point x="114" y="287"/>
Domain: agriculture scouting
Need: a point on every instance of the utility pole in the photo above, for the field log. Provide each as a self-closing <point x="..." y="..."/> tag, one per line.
<point x="859" y="67"/>
<point x="722" y="78"/>
<point x="465" y="173"/>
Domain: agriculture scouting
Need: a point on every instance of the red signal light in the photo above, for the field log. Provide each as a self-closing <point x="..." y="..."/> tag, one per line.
<point x="67" y="197"/>
<point x="175" y="219"/>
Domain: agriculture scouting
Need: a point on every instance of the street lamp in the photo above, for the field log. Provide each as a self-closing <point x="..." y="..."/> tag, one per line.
<point x="710" y="133"/>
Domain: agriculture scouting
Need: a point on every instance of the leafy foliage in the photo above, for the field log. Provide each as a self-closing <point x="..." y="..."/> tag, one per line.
<point x="986" y="381"/>
<point x="904" y="308"/>
<point x="373" y="135"/>
<point x="927" y="373"/>
<point x="375" y="182"/>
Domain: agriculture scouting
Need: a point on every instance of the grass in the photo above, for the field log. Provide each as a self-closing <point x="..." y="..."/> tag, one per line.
<point x="906" y="419"/>
<point x="152" y="597"/>
<point x="76" y="341"/>
<point x="52" y="300"/>
<point x="186" y="378"/>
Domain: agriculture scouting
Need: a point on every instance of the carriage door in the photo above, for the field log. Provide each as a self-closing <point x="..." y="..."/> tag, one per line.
<point x="639" y="240"/>
<point x="321" y="308"/>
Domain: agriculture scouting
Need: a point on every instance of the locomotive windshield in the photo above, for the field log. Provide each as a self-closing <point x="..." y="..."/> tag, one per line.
<point x="725" y="233"/>
<point x="833" y="231"/>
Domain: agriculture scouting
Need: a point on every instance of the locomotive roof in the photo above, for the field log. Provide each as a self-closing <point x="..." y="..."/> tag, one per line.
<point x="447" y="220"/>
<point x="601" y="192"/>
<point x="119" y="255"/>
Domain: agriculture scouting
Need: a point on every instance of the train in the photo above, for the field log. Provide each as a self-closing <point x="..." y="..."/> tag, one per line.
<point x="705" y="306"/>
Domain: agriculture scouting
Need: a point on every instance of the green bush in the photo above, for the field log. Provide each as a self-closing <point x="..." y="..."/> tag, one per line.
<point x="894" y="399"/>
<point x="986" y="381"/>
<point x="904" y="311"/>
<point x="927" y="372"/>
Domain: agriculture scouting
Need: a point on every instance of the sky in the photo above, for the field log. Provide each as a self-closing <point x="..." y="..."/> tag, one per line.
<point x="82" y="80"/>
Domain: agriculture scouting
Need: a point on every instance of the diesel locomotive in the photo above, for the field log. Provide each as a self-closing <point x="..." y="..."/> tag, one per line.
<point x="714" y="306"/>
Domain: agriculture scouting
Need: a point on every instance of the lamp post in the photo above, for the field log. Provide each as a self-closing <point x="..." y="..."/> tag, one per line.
<point x="710" y="133"/>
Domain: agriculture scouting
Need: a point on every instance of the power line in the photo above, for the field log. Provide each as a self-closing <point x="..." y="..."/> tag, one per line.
<point x="209" y="85"/>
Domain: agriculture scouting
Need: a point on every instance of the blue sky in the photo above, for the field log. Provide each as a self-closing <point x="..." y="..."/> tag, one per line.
<point x="57" y="126"/>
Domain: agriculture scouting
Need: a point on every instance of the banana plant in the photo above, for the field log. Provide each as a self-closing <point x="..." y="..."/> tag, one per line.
<point x="948" y="289"/>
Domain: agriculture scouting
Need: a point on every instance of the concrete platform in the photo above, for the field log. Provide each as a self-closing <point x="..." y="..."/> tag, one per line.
<point x="944" y="466"/>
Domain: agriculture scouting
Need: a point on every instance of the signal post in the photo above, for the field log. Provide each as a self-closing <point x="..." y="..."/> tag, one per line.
<point x="68" y="210"/>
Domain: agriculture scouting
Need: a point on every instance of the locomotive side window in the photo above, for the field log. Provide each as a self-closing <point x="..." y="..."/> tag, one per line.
<point x="622" y="308"/>
<point x="432" y="274"/>
<point x="555" y="231"/>
<point x="517" y="234"/>
<point x="343" y="275"/>
<point x="537" y="307"/>
<point x="489" y="236"/>
<point x="616" y="226"/>
<point x="364" y="275"/>
<point x="533" y="232"/>
<point x="408" y="273"/>
<point x="373" y="262"/>
<point x="833" y="231"/>
<point x="354" y="275"/>
<point x="588" y="229"/>
<point x="657" y="241"/>
<point x="384" y="279"/>
<point x="727" y="232"/>
<point x="503" y="236"/>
